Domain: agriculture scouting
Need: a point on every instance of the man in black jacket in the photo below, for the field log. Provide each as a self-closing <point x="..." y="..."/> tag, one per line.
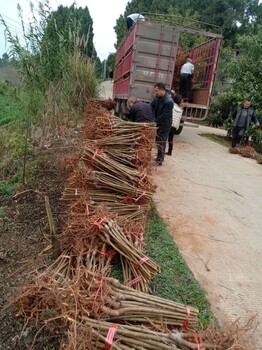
<point x="242" y="117"/>
<point x="162" y="104"/>
<point x="140" y="112"/>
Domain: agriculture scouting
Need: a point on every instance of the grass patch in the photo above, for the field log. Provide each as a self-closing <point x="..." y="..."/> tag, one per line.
<point x="175" y="282"/>
<point x="11" y="108"/>
<point x="222" y="140"/>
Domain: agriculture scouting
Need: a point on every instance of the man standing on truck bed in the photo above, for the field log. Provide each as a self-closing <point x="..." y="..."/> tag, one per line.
<point x="162" y="104"/>
<point x="186" y="74"/>
<point x="133" y="18"/>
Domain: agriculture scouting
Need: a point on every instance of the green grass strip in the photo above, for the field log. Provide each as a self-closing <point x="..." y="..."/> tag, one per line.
<point x="222" y="140"/>
<point x="175" y="281"/>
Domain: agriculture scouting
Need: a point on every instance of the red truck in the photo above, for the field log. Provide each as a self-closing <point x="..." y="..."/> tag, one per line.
<point x="150" y="53"/>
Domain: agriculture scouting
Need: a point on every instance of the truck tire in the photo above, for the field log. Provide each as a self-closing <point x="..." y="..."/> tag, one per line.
<point x="121" y="109"/>
<point x="179" y="130"/>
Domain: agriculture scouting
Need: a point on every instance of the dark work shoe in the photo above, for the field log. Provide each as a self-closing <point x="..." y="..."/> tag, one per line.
<point x="168" y="154"/>
<point x="159" y="162"/>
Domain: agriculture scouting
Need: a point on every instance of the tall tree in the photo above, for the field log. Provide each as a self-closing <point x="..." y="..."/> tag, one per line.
<point x="233" y="16"/>
<point x="67" y="28"/>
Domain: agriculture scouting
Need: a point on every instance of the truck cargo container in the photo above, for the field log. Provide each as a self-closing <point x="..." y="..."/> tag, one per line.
<point x="150" y="53"/>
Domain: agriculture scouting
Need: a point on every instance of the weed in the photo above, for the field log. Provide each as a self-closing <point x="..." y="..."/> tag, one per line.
<point x="2" y="213"/>
<point x="7" y="189"/>
<point x="222" y="140"/>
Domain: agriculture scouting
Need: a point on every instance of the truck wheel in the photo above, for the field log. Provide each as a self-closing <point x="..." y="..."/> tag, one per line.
<point x="179" y="130"/>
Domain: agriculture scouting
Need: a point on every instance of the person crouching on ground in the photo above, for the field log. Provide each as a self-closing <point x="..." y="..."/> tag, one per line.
<point x="140" y="112"/>
<point x="177" y="115"/>
<point x="242" y="117"/>
<point x="162" y="105"/>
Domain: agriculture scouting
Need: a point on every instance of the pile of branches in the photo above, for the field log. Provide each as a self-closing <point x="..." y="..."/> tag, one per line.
<point x="98" y="312"/>
<point x="247" y="152"/>
<point x="109" y="194"/>
<point x="78" y="292"/>
<point x="89" y="334"/>
<point x="110" y="190"/>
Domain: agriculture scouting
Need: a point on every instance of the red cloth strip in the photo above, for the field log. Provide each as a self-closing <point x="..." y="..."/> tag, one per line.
<point x="185" y="324"/>
<point x="110" y="336"/>
<point x="141" y="262"/>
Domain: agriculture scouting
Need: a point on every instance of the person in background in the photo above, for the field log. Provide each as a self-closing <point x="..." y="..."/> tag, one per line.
<point x="176" y="117"/>
<point x="242" y="117"/>
<point x="133" y="18"/>
<point x="185" y="82"/>
<point x="162" y="105"/>
<point x="140" y="112"/>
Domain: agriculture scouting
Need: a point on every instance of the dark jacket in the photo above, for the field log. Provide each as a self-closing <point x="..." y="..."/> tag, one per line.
<point x="163" y="107"/>
<point x="142" y="112"/>
<point x="251" y="116"/>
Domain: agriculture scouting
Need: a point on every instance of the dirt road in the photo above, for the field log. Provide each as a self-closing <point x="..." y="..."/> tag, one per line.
<point x="211" y="200"/>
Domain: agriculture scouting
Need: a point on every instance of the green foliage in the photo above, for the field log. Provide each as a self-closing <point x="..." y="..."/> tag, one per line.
<point x="175" y="281"/>
<point x="222" y="140"/>
<point x="233" y="16"/>
<point x="2" y="213"/>
<point x="79" y="82"/>
<point x="7" y="189"/>
<point x="111" y="61"/>
<point x="245" y="71"/>
<point x="244" y="77"/>
<point x="222" y="107"/>
<point x="11" y="108"/>
<point x="256" y="138"/>
<point x="58" y="76"/>
<point x="68" y="30"/>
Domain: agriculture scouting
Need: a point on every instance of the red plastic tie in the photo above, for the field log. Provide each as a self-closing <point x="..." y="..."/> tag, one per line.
<point x="98" y="223"/>
<point x="142" y="178"/>
<point x="137" y="234"/>
<point x="66" y="256"/>
<point x="110" y="121"/>
<point x="105" y="254"/>
<point x="97" y="151"/>
<point x="141" y="196"/>
<point x="125" y="199"/>
<point x="142" y="261"/>
<point x="196" y="340"/>
<point x="185" y="324"/>
<point x="100" y="288"/>
<point x="135" y="281"/>
<point x="110" y="336"/>
<point x="87" y="212"/>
